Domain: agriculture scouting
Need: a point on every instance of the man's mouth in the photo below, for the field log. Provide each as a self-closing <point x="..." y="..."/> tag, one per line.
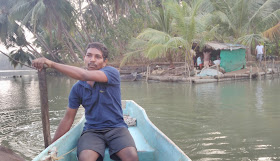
<point x="92" y="66"/>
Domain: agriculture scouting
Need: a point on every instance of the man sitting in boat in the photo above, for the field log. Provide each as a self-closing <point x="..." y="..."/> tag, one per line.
<point x="98" y="90"/>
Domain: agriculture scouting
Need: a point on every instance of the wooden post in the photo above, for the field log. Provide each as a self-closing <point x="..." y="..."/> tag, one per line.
<point x="218" y="72"/>
<point x="265" y="72"/>
<point x="259" y="73"/>
<point x="251" y="72"/>
<point x="147" y="73"/>
<point x="273" y="65"/>
<point x="264" y="55"/>
<point x="44" y="106"/>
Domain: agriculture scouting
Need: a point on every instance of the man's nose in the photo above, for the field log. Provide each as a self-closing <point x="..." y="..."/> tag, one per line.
<point x="92" y="58"/>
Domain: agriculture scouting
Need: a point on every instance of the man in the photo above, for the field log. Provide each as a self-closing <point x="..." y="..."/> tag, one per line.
<point x="98" y="90"/>
<point x="218" y="61"/>
<point x="199" y="62"/>
<point x="206" y="58"/>
<point x="259" y="52"/>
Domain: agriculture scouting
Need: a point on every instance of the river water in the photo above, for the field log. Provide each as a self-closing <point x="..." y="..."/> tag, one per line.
<point x="238" y="120"/>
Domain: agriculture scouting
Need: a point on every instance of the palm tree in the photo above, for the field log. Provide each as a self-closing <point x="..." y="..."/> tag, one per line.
<point x="153" y="43"/>
<point x="245" y="20"/>
<point x="273" y="35"/>
<point x="181" y="24"/>
<point x="54" y="16"/>
<point x="12" y="36"/>
<point x="20" y="56"/>
<point x="113" y="22"/>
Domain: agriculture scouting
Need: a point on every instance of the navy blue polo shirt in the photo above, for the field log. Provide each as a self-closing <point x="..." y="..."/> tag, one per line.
<point x="102" y="102"/>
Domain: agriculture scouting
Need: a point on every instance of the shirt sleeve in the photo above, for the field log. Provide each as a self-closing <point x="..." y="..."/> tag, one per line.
<point x="74" y="100"/>
<point x="113" y="75"/>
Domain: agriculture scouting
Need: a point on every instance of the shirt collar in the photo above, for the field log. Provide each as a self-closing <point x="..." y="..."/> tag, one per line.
<point x="84" y="84"/>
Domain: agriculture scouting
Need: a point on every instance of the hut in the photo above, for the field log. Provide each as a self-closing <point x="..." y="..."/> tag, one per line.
<point x="232" y="56"/>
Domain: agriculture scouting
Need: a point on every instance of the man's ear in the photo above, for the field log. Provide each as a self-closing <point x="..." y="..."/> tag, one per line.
<point x="105" y="62"/>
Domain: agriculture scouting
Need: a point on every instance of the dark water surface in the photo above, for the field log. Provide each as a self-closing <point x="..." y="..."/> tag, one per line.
<point x="238" y="120"/>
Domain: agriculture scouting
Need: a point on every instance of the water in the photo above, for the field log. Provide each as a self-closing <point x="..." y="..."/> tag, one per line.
<point x="236" y="120"/>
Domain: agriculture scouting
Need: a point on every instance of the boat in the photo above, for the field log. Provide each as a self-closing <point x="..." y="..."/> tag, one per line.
<point x="151" y="143"/>
<point x="129" y="78"/>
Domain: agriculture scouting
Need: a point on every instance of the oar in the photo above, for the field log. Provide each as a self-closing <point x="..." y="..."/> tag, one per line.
<point x="44" y="106"/>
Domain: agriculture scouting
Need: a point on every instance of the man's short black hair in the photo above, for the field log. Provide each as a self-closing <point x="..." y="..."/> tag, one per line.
<point x="101" y="47"/>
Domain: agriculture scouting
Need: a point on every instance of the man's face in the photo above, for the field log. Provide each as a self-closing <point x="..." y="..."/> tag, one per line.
<point x="94" y="59"/>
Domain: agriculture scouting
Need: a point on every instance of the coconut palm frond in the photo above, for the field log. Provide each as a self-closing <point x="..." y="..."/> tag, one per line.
<point x="206" y="6"/>
<point x="248" y="39"/>
<point x="129" y="56"/>
<point x="20" y="56"/>
<point x="156" y="51"/>
<point x="176" y="42"/>
<point x="273" y="32"/>
<point x="163" y="19"/>
<point x="21" y="9"/>
<point x="150" y="33"/>
<point x="269" y="20"/>
<point x="38" y="9"/>
<point x="137" y="44"/>
<point x="261" y="8"/>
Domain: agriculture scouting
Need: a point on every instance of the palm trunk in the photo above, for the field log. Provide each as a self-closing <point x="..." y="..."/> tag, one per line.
<point x="66" y="33"/>
<point x="82" y="24"/>
<point x="170" y="58"/>
<point x="67" y="43"/>
<point x="249" y="53"/>
<point x="74" y="42"/>
<point x="44" y="45"/>
<point x="34" y="49"/>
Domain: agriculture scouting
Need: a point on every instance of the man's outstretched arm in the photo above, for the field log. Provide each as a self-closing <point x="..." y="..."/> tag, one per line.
<point x="71" y="71"/>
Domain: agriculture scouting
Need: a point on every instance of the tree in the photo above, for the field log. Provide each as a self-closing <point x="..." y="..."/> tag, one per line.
<point x="273" y="35"/>
<point x="179" y="25"/>
<point x="12" y="35"/>
<point x="245" y="20"/>
<point x="105" y="22"/>
<point x="49" y="21"/>
<point x="157" y="42"/>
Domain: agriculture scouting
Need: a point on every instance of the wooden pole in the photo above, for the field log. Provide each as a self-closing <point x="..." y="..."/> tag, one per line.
<point x="273" y="64"/>
<point x="44" y="106"/>
<point x="218" y="72"/>
<point x="147" y="73"/>
<point x="259" y="76"/>
<point x="264" y="55"/>
<point x="251" y="72"/>
<point x="265" y="72"/>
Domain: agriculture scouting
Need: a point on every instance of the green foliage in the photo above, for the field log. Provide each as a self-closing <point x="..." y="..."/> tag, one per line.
<point x="20" y="56"/>
<point x="245" y="20"/>
<point x="272" y="48"/>
<point x="149" y="29"/>
<point x="176" y="27"/>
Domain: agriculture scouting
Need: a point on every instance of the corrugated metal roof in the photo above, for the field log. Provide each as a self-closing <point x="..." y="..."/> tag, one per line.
<point x="223" y="46"/>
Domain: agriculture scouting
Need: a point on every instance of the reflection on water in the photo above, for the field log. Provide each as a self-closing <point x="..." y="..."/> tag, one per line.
<point x="225" y="121"/>
<point x="259" y="97"/>
<point x="215" y="121"/>
<point x="20" y="117"/>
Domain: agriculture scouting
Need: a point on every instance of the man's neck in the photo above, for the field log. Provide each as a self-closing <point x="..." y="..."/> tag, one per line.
<point x="91" y="83"/>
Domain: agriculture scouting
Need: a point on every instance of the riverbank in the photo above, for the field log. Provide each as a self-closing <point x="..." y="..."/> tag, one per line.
<point x="161" y="72"/>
